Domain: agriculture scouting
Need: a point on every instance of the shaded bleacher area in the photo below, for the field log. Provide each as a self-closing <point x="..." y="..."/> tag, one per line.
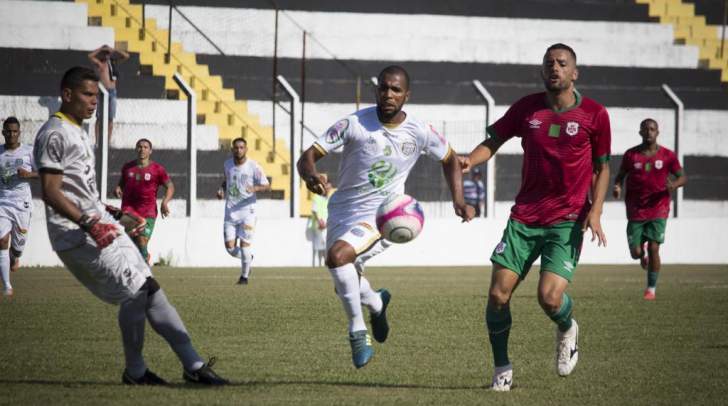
<point x="624" y="55"/>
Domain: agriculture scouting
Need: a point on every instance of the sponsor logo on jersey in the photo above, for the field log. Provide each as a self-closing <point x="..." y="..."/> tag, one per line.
<point x="501" y="247"/>
<point x="535" y="123"/>
<point x="371" y="147"/>
<point x="658" y="164"/>
<point x="381" y="173"/>
<point x="648" y="166"/>
<point x="336" y="132"/>
<point x="408" y="148"/>
<point x="554" y="130"/>
<point x="572" y="128"/>
<point x="387" y="150"/>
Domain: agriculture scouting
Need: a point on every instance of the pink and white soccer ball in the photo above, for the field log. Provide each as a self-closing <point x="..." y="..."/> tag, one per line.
<point x="400" y="218"/>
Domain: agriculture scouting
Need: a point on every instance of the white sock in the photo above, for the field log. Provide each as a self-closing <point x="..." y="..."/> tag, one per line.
<point x="651" y="289"/>
<point x="5" y="268"/>
<point x="245" y="260"/>
<point x="369" y="298"/>
<point x="346" y="281"/>
<point x="234" y="251"/>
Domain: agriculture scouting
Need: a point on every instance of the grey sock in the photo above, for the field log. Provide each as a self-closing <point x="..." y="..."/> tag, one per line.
<point x="166" y="322"/>
<point x="132" y="319"/>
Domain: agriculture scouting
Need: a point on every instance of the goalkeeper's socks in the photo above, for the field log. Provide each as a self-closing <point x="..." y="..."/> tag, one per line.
<point x="499" y="327"/>
<point x="5" y="269"/>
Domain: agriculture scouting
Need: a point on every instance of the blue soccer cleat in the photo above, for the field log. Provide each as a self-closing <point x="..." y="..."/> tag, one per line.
<point x="380" y="327"/>
<point x="361" y="348"/>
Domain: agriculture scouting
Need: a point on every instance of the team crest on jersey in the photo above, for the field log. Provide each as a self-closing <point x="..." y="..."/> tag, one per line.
<point x="336" y="132"/>
<point x="638" y="165"/>
<point x="147" y="176"/>
<point x="572" y="127"/>
<point x="658" y="164"/>
<point x="408" y="148"/>
<point x="535" y="124"/>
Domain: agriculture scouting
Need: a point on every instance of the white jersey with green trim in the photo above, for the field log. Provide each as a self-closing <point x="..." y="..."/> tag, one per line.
<point x="65" y="148"/>
<point x="376" y="159"/>
<point x="14" y="190"/>
<point x="238" y="178"/>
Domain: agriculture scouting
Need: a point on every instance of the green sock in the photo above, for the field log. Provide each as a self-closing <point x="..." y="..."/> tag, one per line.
<point x="562" y="318"/>
<point x="499" y="326"/>
<point x="652" y="279"/>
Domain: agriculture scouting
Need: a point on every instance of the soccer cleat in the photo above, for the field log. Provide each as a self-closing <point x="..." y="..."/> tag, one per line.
<point x="205" y="375"/>
<point x="242" y="281"/>
<point x="380" y="327"/>
<point x="649" y="295"/>
<point x="361" y="348"/>
<point x="502" y="379"/>
<point x="149" y="378"/>
<point x="9" y="292"/>
<point x="567" y="349"/>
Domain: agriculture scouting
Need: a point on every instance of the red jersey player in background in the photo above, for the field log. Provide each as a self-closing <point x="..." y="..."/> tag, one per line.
<point x="566" y="140"/>
<point x="648" y="167"/>
<point x="138" y="186"/>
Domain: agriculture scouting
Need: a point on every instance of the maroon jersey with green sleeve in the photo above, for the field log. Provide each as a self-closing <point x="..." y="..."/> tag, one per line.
<point x="646" y="194"/>
<point x="140" y="186"/>
<point x="560" y="149"/>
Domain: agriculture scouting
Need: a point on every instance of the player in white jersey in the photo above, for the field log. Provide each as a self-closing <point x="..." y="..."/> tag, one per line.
<point x="16" y="203"/>
<point x="243" y="179"/>
<point x="91" y="243"/>
<point x="380" y="147"/>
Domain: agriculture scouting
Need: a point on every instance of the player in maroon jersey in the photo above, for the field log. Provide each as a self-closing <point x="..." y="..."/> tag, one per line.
<point x="138" y="186"/>
<point x="566" y="140"/>
<point x="648" y="167"/>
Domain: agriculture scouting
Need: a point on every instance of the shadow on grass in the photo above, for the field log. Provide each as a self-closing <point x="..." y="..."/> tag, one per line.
<point x="71" y="383"/>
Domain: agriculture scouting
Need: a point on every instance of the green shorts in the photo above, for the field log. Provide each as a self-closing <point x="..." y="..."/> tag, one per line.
<point x="558" y="246"/>
<point x="639" y="232"/>
<point x="149" y="227"/>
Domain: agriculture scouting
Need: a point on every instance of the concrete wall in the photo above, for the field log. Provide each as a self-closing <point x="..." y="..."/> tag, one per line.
<point x="443" y="242"/>
<point x="427" y="37"/>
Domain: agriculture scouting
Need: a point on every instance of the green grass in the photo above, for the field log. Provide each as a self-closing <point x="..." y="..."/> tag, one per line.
<point x="282" y="340"/>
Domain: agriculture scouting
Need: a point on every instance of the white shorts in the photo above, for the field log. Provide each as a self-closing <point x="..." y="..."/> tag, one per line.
<point x="114" y="274"/>
<point x="359" y="232"/>
<point x="242" y="227"/>
<point x="17" y="223"/>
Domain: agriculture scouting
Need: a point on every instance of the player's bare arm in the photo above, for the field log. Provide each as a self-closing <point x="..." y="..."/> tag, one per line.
<point x="258" y="188"/>
<point x="22" y="173"/>
<point x="482" y="153"/>
<point x="168" y="194"/>
<point x="599" y="192"/>
<point x="618" y="180"/>
<point x="680" y="181"/>
<point x="306" y="165"/>
<point x="221" y="190"/>
<point x="453" y="175"/>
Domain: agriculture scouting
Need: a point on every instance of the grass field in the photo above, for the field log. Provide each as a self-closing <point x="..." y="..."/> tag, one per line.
<point x="282" y="340"/>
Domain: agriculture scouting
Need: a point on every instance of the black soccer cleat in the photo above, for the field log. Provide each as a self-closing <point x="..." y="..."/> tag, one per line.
<point x="242" y="281"/>
<point x="149" y="378"/>
<point x="205" y="375"/>
<point x="380" y="327"/>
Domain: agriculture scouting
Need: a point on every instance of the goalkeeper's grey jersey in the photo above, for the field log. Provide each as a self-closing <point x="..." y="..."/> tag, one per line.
<point x="62" y="146"/>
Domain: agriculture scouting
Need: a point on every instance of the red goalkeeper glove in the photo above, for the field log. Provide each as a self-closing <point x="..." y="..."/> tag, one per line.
<point x="102" y="233"/>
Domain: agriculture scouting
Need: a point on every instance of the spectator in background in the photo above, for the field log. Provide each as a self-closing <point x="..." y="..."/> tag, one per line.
<point x="105" y="60"/>
<point x="316" y="228"/>
<point x="474" y="191"/>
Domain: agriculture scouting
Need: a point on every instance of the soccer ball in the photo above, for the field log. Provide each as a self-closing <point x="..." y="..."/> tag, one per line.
<point x="400" y="218"/>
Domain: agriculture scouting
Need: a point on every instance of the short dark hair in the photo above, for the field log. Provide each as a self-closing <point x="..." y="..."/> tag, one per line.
<point x="649" y="120"/>
<point x="74" y="77"/>
<point x="10" y="120"/>
<point x="394" y="70"/>
<point x="565" y="47"/>
<point x="143" y="140"/>
<point x="239" y="139"/>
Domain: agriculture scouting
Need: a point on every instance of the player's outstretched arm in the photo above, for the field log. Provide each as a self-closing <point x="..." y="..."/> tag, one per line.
<point x="599" y="193"/>
<point x="453" y="175"/>
<point x="482" y="153"/>
<point x="306" y="166"/>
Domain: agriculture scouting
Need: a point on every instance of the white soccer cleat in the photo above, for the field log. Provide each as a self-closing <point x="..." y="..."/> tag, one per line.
<point x="567" y="349"/>
<point x="502" y="379"/>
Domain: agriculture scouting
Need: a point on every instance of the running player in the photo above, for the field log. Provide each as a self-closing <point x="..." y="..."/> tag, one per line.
<point x="138" y="186"/>
<point x="380" y="147"/>
<point x="243" y="179"/>
<point x="648" y="167"/>
<point x="566" y="141"/>
<point x="90" y="243"/>
<point x="16" y="203"/>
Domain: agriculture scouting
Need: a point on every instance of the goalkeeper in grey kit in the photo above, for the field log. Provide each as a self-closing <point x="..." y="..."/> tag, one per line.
<point x="92" y="244"/>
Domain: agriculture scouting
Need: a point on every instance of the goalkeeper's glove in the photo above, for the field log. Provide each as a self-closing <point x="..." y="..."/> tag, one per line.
<point x="132" y="222"/>
<point x="102" y="233"/>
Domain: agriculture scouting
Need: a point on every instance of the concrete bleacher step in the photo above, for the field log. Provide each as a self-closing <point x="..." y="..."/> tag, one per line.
<point x="691" y="28"/>
<point x="217" y="105"/>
